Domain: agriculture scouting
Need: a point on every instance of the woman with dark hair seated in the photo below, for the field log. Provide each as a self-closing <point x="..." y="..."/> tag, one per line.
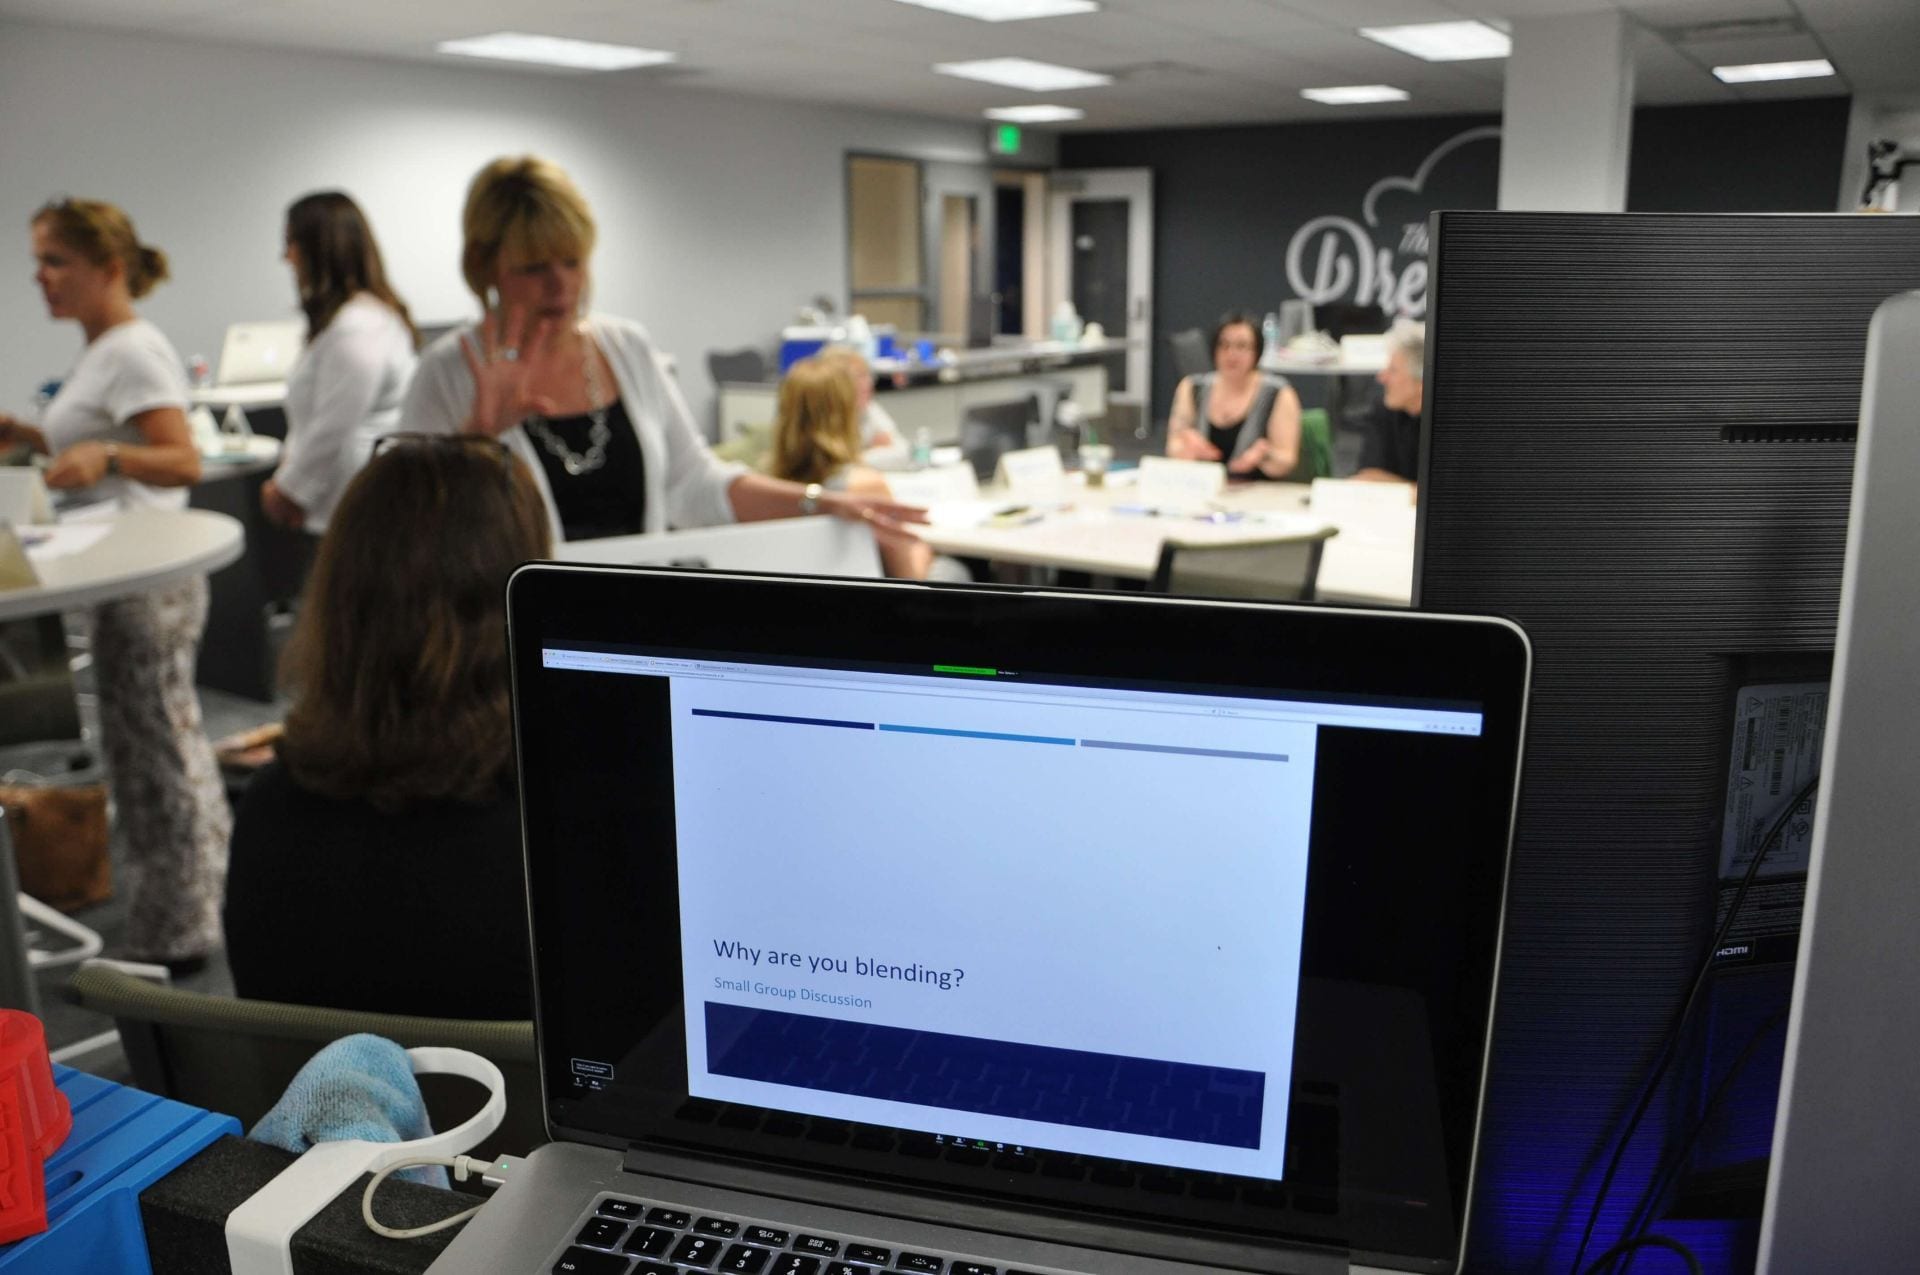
<point x="376" y="864"/>
<point x="1236" y="413"/>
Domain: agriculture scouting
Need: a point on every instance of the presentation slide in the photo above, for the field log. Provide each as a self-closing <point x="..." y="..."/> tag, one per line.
<point x="1023" y="917"/>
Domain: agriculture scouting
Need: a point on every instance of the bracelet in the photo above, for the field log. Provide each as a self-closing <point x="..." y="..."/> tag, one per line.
<point x="810" y="498"/>
<point x="113" y="458"/>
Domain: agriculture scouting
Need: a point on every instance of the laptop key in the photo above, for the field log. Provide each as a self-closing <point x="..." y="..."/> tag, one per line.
<point x="586" y="1261"/>
<point x="745" y="1260"/>
<point x="629" y="1210"/>
<point x="648" y="1242"/>
<point x="816" y="1245"/>
<point x="601" y="1232"/>
<point x="793" y="1264"/>
<point x="717" y="1226"/>
<point x="652" y="1268"/>
<point x="868" y="1254"/>
<point x="846" y="1268"/>
<point x="696" y="1250"/>
<point x="670" y="1217"/>
<point x="765" y="1235"/>
<point x="920" y="1262"/>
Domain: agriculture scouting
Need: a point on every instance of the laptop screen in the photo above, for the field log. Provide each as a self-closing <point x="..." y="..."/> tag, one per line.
<point x="896" y="891"/>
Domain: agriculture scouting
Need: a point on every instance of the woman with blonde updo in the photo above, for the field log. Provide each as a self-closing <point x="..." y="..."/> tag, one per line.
<point x="584" y="399"/>
<point x="816" y="440"/>
<point x="118" y="430"/>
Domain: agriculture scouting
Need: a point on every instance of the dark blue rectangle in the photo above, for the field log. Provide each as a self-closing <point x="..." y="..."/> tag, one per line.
<point x="1155" y="1099"/>
<point x="790" y="721"/>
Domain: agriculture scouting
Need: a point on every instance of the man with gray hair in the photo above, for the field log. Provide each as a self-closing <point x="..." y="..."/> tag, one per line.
<point x="1391" y="452"/>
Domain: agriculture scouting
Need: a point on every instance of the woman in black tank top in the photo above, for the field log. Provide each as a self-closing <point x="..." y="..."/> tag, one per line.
<point x="1236" y="413"/>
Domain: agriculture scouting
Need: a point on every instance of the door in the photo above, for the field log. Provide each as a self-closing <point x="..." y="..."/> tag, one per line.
<point x="1101" y="259"/>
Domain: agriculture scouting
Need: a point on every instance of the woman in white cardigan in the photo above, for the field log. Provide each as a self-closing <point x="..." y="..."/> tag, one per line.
<point x="347" y="386"/>
<point x="585" y="402"/>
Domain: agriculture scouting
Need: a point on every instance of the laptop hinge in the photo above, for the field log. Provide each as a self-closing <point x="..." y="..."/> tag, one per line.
<point x="1214" y="1254"/>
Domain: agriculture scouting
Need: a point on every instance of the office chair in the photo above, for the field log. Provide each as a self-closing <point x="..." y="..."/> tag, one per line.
<point x="736" y="367"/>
<point x="1316" y="443"/>
<point x="1284" y="569"/>
<point x="36" y="682"/>
<point x="1191" y="357"/>
<point x="990" y="430"/>
<point x="238" y="1056"/>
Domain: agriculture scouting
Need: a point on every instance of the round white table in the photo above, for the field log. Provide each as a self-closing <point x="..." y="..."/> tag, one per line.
<point x="142" y="549"/>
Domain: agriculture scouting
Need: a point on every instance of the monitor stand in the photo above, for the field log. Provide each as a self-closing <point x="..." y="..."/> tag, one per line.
<point x="1840" y="1192"/>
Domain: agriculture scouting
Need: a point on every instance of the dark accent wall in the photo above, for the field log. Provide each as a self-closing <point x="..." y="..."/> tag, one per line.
<point x="1227" y="201"/>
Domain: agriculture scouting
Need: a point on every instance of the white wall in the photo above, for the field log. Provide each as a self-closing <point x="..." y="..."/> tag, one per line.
<point x="718" y="215"/>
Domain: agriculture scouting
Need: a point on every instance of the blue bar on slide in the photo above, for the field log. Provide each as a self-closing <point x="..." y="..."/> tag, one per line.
<point x="773" y="717"/>
<point x="1075" y="1087"/>
<point x="976" y="734"/>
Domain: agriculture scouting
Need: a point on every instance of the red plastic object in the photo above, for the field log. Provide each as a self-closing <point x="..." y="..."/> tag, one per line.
<point x="34" y="1121"/>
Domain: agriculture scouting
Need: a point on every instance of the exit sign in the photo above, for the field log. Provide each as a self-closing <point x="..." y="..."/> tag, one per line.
<point x="1005" y="139"/>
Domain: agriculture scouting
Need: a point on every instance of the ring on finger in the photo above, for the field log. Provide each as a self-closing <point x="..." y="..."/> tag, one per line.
<point x="510" y="355"/>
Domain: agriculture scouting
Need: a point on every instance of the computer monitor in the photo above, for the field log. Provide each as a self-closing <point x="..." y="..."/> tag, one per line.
<point x="1638" y="442"/>
<point x="254" y="353"/>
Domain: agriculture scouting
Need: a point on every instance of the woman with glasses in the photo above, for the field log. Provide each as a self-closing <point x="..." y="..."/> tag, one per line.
<point x="347" y="386"/>
<point x="117" y="431"/>
<point x="1237" y="413"/>
<point x="386" y="837"/>
<point x="583" y="399"/>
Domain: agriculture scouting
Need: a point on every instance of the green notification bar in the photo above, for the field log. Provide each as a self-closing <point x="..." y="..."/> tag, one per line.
<point x="966" y="670"/>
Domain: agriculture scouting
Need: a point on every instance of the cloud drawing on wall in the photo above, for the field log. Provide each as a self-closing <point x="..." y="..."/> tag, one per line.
<point x="1418" y="181"/>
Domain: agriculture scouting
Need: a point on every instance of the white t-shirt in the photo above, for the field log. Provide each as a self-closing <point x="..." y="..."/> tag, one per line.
<point x="344" y="392"/>
<point x="126" y="370"/>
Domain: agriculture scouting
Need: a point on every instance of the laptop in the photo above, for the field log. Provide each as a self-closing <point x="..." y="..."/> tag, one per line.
<point x="262" y="352"/>
<point x="888" y="927"/>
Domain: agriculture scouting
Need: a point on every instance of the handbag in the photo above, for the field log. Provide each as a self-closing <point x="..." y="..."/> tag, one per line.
<point x="59" y="837"/>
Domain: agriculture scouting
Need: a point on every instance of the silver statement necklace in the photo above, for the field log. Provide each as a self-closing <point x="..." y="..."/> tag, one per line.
<point x="598" y="435"/>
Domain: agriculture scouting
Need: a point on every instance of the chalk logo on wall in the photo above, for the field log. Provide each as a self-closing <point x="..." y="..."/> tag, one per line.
<point x="1335" y="258"/>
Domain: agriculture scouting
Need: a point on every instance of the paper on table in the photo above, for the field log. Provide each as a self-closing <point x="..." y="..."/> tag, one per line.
<point x="1168" y="483"/>
<point x="44" y="544"/>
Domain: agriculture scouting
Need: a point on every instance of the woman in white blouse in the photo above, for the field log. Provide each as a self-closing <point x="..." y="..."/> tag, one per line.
<point x="584" y="401"/>
<point x="347" y="387"/>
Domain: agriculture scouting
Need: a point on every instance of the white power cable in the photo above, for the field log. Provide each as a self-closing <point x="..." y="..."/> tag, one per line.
<point x="463" y="1166"/>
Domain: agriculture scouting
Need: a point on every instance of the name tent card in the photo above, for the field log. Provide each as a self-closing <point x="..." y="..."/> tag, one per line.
<point x="1032" y="472"/>
<point x="1166" y="483"/>
<point x="23" y="497"/>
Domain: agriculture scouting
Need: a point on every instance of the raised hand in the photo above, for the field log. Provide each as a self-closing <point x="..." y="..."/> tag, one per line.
<point x="512" y="356"/>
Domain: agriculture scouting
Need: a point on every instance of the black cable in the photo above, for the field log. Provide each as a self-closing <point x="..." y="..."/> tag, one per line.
<point x="1670" y="1045"/>
<point x="1636" y="1223"/>
<point x="1639" y="1242"/>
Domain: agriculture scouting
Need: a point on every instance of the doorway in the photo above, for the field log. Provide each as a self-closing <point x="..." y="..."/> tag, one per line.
<point x="1102" y="261"/>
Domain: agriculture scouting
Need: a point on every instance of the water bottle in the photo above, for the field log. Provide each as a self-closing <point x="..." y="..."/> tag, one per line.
<point x="922" y="453"/>
<point x="1270" y="331"/>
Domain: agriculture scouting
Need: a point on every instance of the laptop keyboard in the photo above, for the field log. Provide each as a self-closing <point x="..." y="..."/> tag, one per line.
<point x="624" y="1236"/>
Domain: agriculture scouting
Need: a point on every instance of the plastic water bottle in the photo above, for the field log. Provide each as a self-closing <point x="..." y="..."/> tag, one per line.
<point x="1270" y="331"/>
<point x="922" y="453"/>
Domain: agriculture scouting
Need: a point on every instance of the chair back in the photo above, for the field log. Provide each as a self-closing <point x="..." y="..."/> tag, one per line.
<point x="990" y="430"/>
<point x="1316" y="444"/>
<point x="238" y="1056"/>
<point x="1284" y="569"/>
<point x="1191" y="357"/>
<point x="743" y="367"/>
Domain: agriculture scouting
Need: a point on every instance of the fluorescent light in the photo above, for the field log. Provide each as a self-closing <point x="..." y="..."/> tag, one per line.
<point x="1355" y="94"/>
<point x="1008" y="10"/>
<point x="1023" y="73"/>
<point x="1444" y="41"/>
<point x="1036" y="114"/>
<point x="1754" y="72"/>
<point x="553" y="50"/>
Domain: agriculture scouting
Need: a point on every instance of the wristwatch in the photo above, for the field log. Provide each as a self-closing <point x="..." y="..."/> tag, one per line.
<point x="810" y="498"/>
<point x="113" y="458"/>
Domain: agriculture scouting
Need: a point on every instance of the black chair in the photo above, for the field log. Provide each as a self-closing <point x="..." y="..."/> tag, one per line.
<point x="990" y="430"/>
<point x="1191" y="357"/>
<point x="1283" y="569"/>
<point x="1345" y="318"/>
<point x="736" y="367"/>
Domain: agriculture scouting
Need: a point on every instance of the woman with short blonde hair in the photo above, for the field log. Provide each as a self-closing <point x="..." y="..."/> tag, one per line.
<point x="584" y="400"/>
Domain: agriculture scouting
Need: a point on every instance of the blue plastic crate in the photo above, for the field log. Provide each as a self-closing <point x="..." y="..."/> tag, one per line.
<point x="123" y="1141"/>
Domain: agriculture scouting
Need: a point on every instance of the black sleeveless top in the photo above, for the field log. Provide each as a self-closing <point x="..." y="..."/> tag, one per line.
<point x="1228" y="439"/>
<point x="610" y="500"/>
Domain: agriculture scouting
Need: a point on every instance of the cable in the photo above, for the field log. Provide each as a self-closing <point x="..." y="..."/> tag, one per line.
<point x="1639" y="1242"/>
<point x="1636" y="1222"/>
<point x="463" y="1166"/>
<point x="1671" y="1044"/>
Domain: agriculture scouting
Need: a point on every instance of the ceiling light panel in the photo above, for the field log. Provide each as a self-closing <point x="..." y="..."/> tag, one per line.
<point x="1036" y="114"/>
<point x="1355" y="94"/>
<point x="1758" y="72"/>
<point x="1008" y="10"/>
<point x="553" y="50"/>
<point x="1023" y="73"/>
<point x="1444" y="41"/>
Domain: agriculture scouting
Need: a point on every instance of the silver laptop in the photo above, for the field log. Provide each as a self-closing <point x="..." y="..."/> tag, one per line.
<point x="883" y="927"/>
<point x="254" y="353"/>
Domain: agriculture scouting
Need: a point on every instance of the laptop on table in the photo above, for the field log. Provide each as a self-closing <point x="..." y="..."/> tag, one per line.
<point x="884" y="927"/>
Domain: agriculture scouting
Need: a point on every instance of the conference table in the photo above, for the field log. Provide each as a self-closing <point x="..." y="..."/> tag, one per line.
<point x="1106" y="532"/>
